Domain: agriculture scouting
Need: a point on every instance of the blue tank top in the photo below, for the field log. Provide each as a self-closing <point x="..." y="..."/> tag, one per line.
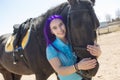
<point x="65" y="55"/>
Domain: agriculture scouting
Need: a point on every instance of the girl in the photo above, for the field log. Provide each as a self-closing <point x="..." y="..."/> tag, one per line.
<point x="59" y="52"/>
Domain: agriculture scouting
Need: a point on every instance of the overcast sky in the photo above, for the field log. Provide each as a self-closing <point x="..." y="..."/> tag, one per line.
<point x="17" y="11"/>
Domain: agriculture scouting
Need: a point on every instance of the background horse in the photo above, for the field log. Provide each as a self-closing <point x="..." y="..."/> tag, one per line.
<point x="34" y="59"/>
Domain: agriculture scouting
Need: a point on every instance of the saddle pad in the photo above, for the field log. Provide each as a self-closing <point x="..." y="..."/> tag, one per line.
<point x="9" y="45"/>
<point x="26" y="39"/>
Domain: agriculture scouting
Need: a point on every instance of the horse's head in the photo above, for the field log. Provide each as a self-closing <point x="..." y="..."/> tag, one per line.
<point x="82" y="22"/>
<point x="75" y="1"/>
<point x="81" y="29"/>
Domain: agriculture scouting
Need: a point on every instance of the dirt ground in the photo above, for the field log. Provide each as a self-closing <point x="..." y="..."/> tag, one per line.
<point x="109" y="60"/>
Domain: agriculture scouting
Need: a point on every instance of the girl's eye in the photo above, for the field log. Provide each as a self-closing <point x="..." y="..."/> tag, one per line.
<point x="60" y="24"/>
<point x="54" y="27"/>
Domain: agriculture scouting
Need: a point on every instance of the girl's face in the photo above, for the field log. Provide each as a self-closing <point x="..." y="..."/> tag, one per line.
<point x="57" y="28"/>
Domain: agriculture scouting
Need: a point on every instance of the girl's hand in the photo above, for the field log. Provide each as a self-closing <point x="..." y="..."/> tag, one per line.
<point x="94" y="50"/>
<point x="86" y="64"/>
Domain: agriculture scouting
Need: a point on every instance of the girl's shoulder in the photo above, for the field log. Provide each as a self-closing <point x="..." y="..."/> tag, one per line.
<point x="50" y="52"/>
<point x="50" y="48"/>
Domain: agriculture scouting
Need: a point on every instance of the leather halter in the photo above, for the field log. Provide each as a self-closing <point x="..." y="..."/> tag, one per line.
<point x="69" y="32"/>
<point x="68" y="25"/>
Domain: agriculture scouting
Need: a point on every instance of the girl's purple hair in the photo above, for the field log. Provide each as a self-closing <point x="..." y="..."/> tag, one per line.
<point x="47" y="32"/>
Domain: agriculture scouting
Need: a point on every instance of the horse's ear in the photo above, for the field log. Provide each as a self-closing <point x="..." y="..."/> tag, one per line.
<point x="93" y="1"/>
<point x="72" y="2"/>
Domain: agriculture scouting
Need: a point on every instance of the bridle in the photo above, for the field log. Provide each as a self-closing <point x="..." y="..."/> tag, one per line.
<point x="74" y="48"/>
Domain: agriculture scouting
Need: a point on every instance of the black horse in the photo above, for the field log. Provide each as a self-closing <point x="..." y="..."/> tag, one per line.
<point x="32" y="58"/>
<point x="82" y="32"/>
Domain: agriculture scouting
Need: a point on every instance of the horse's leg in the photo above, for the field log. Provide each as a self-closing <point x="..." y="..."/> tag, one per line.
<point x="9" y="76"/>
<point x="16" y="76"/>
<point x="43" y="77"/>
<point x="40" y="77"/>
<point x="87" y="79"/>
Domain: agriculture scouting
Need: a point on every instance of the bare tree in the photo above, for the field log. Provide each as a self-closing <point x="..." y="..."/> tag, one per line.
<point x="118" y="14"/>
<point x="108" y="18"/>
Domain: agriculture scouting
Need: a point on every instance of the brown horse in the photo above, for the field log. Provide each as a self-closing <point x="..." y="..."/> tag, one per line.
<point x="32" y="58"/>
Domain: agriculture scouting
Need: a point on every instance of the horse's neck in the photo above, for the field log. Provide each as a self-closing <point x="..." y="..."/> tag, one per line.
<point x="61" y="9"/>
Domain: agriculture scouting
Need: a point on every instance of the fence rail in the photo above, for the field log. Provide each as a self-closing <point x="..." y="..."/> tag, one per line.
<point x="112" y="27"/>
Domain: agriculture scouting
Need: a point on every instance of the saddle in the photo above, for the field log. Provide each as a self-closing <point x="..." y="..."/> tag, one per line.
<point x="19" y="37"/>
<point x="9" y="45"/>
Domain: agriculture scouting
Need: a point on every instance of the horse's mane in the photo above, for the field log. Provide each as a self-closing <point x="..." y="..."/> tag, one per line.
<point x="39" y="21"/>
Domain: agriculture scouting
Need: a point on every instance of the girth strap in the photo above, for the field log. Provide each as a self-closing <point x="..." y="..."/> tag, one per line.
<point x="20" y="52"/>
